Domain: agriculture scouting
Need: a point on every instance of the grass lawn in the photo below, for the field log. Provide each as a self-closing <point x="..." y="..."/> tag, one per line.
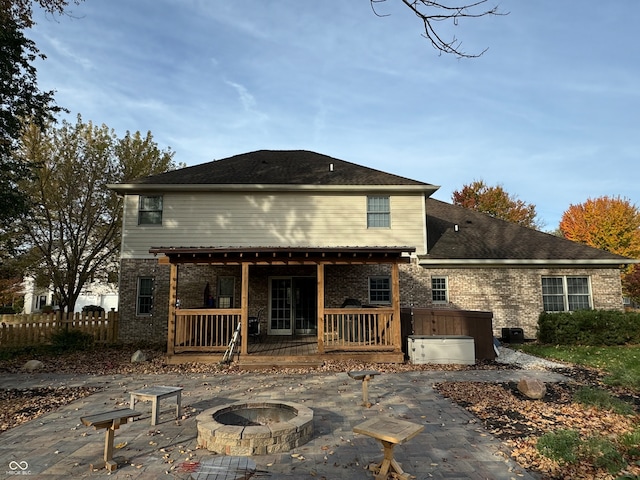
<point x="620" y="363"/>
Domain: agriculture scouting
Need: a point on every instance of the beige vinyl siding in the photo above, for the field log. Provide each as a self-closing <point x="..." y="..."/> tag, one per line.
<point x="272" y="220"/>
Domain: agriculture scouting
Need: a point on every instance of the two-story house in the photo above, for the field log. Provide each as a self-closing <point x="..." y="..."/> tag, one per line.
<point x="328" y="251"/>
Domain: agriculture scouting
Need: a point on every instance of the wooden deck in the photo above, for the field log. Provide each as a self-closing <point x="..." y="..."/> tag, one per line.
<point x="287" y="351"/>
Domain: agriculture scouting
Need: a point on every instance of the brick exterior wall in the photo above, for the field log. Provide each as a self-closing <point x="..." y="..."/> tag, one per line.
<point x="514" y="295"/>
<point x="143" y="328"/>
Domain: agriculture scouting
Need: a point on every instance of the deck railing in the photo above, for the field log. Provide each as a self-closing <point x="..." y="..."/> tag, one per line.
<point x="345" y="329"/>
<point x="355" y="329"/>
<point x="204" y="329"/>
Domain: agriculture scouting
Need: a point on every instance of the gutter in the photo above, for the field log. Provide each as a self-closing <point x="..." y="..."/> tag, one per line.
<point x="133" y="188"/>
<point x="471" y="263"/>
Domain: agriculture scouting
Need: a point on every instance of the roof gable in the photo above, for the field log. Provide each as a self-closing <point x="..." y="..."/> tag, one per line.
<point x="278" y="167"/>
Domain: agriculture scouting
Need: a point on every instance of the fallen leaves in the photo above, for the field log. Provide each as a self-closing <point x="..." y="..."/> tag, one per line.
<point x="519" y="422"/>
<point x="19" y="405"/>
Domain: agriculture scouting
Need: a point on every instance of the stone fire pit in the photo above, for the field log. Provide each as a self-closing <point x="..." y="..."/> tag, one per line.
<point x="254" y="428"/>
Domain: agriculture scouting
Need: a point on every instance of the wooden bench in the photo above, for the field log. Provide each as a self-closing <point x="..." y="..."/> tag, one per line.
<point x="390" y="432"/>
<point x="365" y="376"/>
<point x="155" y="394"/>
<point x="111" y="421"/>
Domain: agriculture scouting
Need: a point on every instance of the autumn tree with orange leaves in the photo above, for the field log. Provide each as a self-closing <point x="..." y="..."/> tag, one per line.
<point x="611" y="224"/>
<point x="607" y="223"/>
<point x="495" y="201"/>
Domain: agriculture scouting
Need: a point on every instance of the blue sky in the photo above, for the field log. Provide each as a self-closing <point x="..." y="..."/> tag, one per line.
<point x="550" y="111"/>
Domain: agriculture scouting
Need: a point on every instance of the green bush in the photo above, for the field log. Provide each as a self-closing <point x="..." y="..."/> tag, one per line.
<point x="65" y="340"/>
<point x="589" y="327"/>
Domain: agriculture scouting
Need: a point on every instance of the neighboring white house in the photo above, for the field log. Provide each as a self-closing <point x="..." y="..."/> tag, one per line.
<point x="104" y="295"/>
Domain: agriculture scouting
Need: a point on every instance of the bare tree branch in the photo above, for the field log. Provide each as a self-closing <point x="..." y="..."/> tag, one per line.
<point x="431" y="12"/>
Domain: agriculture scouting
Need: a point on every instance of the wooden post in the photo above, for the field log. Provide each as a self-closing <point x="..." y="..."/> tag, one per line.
<point x="109" y="463"/>
<point x="244" y="316"/>
<point x="395" y="296"/>
<point x="171" y="326"/>
<point x="320" y="301"/>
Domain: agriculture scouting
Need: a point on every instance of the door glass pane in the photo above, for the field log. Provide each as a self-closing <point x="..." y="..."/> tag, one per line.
<point x="305" y="305"/>
<point x="281" y="304"/>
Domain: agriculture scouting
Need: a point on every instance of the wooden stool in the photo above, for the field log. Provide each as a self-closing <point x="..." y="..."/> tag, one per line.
<point x="365" y="376"/>
<point x="390" y="432"/>
<point x="155" y="394"/>
<point x="111" y="421"/>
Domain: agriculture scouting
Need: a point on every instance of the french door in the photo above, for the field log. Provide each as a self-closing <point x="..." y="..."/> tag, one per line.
<point x="292" y="306"/>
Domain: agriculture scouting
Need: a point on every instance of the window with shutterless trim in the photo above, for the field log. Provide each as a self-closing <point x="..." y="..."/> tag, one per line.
<point x="144" y="297"/>
<point x="439" y="290"/>
<point x="150" y="210"/>
<point x="380" y="290"/>
<point x="566" y="294"/>
<point x="378" y="212"/>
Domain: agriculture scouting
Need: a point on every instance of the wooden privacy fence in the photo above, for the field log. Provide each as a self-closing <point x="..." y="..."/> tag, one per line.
<point x="429" y="321"/>
<point x="37" y="329"/>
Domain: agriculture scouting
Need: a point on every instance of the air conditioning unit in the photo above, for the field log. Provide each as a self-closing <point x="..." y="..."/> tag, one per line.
<point x="512" y="335"/>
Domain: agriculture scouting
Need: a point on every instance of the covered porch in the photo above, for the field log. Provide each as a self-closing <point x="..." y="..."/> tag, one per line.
<point x="370" y="333"/>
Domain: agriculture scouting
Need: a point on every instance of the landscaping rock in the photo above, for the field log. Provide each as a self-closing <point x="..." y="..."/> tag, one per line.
<point x="138" y="357"/>
<point x="32" y="366"/>
<point x="532" y="388"/>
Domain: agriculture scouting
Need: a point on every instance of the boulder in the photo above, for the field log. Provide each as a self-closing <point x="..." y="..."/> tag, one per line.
<point x="32" y="366"/>
<point x="532" y="388"/>
<point x="138" y="357"/>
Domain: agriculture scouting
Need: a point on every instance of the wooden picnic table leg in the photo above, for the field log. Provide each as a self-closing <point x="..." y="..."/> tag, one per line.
<point x="365" y="391"/>
<point x="178" y="404"/>
<point x="386" y="461"/>
<point x="155" y="413"/>
<point x="109" y="464"/>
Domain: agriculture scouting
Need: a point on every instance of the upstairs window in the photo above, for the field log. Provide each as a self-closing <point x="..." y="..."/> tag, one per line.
<point x="566" y="294"/>
<point x="379" y="290"/>
<point x="150" y="210"/>
<point x="439" y="293"/>
<point x="378" y="212"/>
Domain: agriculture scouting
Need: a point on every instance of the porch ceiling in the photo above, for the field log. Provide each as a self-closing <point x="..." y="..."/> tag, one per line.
<point x="283" y="255"/>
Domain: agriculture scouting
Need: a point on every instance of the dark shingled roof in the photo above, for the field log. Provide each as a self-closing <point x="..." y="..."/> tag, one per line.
<point x="273" y="167"/>
<point x="482" y="237"/>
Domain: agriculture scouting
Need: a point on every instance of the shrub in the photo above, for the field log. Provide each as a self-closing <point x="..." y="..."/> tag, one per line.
<point x="589" y="327"/>
<point x="65" y="340"/>
<point x="92" y="308"/>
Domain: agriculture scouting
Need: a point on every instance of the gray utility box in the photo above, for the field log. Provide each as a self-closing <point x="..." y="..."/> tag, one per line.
<point x="442" y="349"/>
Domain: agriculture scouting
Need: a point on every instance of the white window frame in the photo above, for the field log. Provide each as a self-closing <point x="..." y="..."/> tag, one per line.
<point x="440" y="288"/>
<point x="379" y="291"/>
<point x="145" y="295"/>
<point x="150" y="214"/>
<point x="567" y="304"/>
<point x="378" y="211"/>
